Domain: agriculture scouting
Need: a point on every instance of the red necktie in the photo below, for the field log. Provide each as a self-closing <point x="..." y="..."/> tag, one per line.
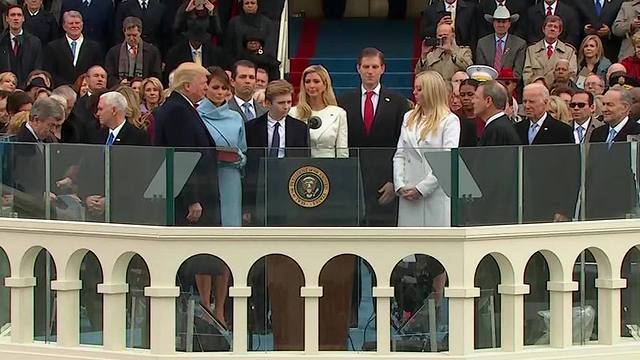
<point x="368" y="112"/>
<point x="549" y="8"/>
<point x="549" y="51"/>
<point x="497" y="60"/>
<point x="15" y="46"/>
<point x="134" y="50"/>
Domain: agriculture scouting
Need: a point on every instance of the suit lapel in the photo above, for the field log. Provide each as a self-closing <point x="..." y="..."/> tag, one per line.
<point x="383" y="101"/>
<point x="508" y="54"/>
<point x="233" y="105"/>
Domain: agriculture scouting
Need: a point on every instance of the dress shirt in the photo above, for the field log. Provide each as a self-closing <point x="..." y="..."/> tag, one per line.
<point x="88" y="2"/>
<point x="619" y="127"/>
<point x="146" y="2"/>
<point x="271" y="124"/>
<point x="584" y="126"/>
<point x="492" y="118"/>
<point x="553" y="7"/>
<point x="501" y="3"/>
<point x="447" y="6"/>
<point x="116" y="131"/>
<point x="241" y="102"/>
<point x="553" y="45"/>
<point x="13" y="37"/>
<point x="138" y="48"/>
<point x="374" y="99"/>
<point x="504" y="40"/>
<point x="28" y="126"/>
<point x="539" y="122"/>
<point x="195" y="52"/>
<point x="78" y="45"/>
<point x="35" y="13"/>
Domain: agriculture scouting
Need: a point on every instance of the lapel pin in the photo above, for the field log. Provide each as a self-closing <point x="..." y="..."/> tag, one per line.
<point x="545" y="129"/>
<point x="387" y="99"/>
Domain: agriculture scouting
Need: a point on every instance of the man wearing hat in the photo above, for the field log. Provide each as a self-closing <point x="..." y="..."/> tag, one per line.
<point x="482" y="73"/>
<point x="488" y="7"/>
<point x="446" y="57"/>
<point x="501" y="49"/>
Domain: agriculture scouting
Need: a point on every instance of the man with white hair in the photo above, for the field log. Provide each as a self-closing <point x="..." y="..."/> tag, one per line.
<point x="111" y="115"/>
<point x="540" y="127"/>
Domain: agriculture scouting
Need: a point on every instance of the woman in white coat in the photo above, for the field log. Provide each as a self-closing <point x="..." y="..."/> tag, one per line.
<point x="317" y="98"/>
<point x="430" y="126"/>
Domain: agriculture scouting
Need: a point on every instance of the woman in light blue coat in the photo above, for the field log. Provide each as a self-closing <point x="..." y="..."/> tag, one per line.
<point x="227" y="130"/>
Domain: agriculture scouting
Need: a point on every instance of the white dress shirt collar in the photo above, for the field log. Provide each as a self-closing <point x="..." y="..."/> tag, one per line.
<point x="503" y="38"/>
<point x="14" y="36"/>
<point x="28" y="126"/>
<point x="78" y="45"/>
<point x="501" y="113"/>
<point x="33" y="13"/>
<point x="585" y="125"/>
<point x="116" y="131"/>
<point x="241" y="102"/>
<point x="553" y="7"/>
<point x="553" y="45"/>
<point x="193" y="50"/>
<point x="271" y="123"/>
<point x="375" y="90"/>
<point x="619" y="127"/>
<point x="541" y="120"/>
<point x="454" y="5"/>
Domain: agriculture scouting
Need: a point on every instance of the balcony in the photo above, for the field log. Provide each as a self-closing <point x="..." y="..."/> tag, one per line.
<point x="81" y="287"/>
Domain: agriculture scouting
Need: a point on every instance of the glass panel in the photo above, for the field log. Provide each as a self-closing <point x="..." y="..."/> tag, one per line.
<point x="347" y="307"/>
<point x="488" y="186"/>
<point x="137" y="188"/>
<point x="195" y="186"/>
<point x="138" y="305"/>
<point x="91" y="314"/>
<point x="5" y="295"/>
<point x="610" y="167"/>
<point x="487" y="306"/>
<point x="376" y="171"/>
<point x="276" y="309"/>
<point x="23" y="179"/>
<point x="585" y="300"/>
<point x="203" y="313"/>
<point x="537" y="312"/>
<point x="419" y="310"/>
<point x="44" y="300"/>
<point x="630" y="296"/>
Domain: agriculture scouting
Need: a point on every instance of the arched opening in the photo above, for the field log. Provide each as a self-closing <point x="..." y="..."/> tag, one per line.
<point x="5" y="294"/>
<point x="585" y="300"/>
<point x="91" y="309"/>
<point x="537" y="313"/>
<point x="347" y="306"/>
<point x="44" y="300"/>
<point x="630" y="301"/>
<point x="488" y="305"/>
<point x="419" y="310"/>
<point x="138" y="305"/>
<point x="204" y="312"/>
<point x="276" y="309"/>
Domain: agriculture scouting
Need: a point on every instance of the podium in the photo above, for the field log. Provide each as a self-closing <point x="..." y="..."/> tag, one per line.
<point x="308" y="192"/>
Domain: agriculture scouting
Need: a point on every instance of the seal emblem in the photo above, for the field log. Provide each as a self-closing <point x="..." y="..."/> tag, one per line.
<point x="309" y="187"/>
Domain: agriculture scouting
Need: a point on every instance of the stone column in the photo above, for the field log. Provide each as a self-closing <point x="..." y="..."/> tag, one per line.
<point x="240" y="333"/>
<point x="115" y="315"/>
<point x="609" y="310"/>
<point x="163" y="318"/>
<point x="512" y="316"/>
<point x="21" y="308"/>
<point x="561" y="303"/>
<point x="383" y="297"/>
<point x="311" y="295"/>
<point x="461" y="319"/>
<point x="68" y="310"/>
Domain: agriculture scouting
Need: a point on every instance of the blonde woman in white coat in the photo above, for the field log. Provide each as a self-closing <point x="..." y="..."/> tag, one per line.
<point x="430" y="125"/>
<point x="317" y="98"/>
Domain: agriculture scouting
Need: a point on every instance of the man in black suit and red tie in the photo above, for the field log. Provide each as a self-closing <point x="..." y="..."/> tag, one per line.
<point x="375" y="115"/>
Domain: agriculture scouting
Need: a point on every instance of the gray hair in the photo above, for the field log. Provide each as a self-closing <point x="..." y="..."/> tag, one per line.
<point x="496" y="92"/>
<point x="71" y="14"/>
<point x="62" y="101"/>
<point x="541" y="88"/>
<point x="131" y="21"/>
<point x="565" y="61"/>
<point x="66" y="92"/>
<point x="625" y="95"/>
<point x="115" y="99"/>
<point x="47" y="107"/>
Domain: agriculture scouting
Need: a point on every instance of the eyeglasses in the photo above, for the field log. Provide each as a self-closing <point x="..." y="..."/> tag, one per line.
<point x="578" y="105"/>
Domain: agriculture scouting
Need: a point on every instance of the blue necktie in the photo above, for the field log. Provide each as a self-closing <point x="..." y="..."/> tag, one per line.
<point x="275" y="141"/>
<point x="598" y="7"/>
<point x="533" y="131"/>
<point x="246" y="107"/>
<point x="110" y="139"/>
<point x="612" y="135"/>
<point x="580" y="130"/>
<point x="73" y="48"/>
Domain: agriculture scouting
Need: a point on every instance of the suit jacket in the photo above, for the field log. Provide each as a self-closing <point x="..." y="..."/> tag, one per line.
<point x="586" y="11"/>
<point x="466" y="21"/>
<point x="151" y="59"/>
<point x="376" y="149"/>
<point x="622" y="27"/>
<point x="42" y="25"/>
<point x="181" y="52"/>
<point x="571" y="30"/>
<point x="60" y="59"/>
<point x="179" y="125"/>
<point x="552" y="131"/>
<point x="97" y="19"/>
<point x="513" y="54"/>
<point x="500" y="132"/>
<point x="259" y="109"/>
<point x="29" y="56"/>
<point x="538" y="64"/>
<point x="610" y="183"/>
<point x="520" y="7"/>
<point x="156" y="28"/>
<point x="593" y="124"/>
<point x="28" y="174"/>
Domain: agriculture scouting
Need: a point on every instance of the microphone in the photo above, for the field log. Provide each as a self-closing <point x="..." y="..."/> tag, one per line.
<point x="314" y="122"/>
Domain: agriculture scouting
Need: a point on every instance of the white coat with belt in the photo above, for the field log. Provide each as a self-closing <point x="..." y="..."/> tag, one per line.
<point x="410" y="168"/>
<point x="331" y="138"/>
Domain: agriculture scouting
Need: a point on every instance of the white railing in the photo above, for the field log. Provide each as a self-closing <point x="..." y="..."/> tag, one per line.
<point x="283" y="40"/>
<point x="459" y="250"/>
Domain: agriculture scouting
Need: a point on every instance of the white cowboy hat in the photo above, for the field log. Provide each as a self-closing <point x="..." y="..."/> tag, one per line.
<point x="501" y="13"/>
<point x="482" y="72"/>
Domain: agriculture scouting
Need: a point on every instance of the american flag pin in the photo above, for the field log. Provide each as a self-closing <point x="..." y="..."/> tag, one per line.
<point x="387" y="99"/>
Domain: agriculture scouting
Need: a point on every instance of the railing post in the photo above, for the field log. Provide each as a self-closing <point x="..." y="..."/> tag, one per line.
<point x="561" y="303"/>
<point x="383" y="297"/>
<point x="240" y="332"/>
<point x="311" y="295"/>
<point x="115" y="315"/>
<point x="609" y="310"/>
<point x="22" y="309"/>
<point x="461" y="319"/>
<point x="68" y="310"/>
<point x="163" y="318"/>
<point x="512" y="316"/>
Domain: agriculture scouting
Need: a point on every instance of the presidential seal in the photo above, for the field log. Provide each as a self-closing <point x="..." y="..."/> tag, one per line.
<point x="309" y="187"/>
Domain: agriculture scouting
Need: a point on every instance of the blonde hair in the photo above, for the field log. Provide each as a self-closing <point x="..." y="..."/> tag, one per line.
<point x="328" y="96"/>
<point x="558" y="106"/>
<point x="435" y="97"/>
<point x="185" y="74"/>
<point x="588" y="38"/>
<point x="16" y="122"/>
<point x="133" y="114"/>
<point x="157" y="84"/>
<point x="258" y="97"/>
<point x="277" y="88"/>
<point x="635" y="39"/>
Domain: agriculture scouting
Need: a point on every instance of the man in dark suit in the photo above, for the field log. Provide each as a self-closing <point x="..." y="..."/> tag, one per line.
<point x="610" y="183"/>
<point x="97" y="16"/>
<point x="518" y="7"/>
<point x="179" y="125"/>
<point x="374" y="116"/>
<point x="489" y="104"/>
<point x="462" y="15"/>
<point x="20" y="52"/>
<point x="157" y="23"/>
<point x="133" y="58"/>
<point x="596" y="18"/>
<point x="583" y="119"/>
<point x="501" y="49"/>
<point x="243" y="81"/>
<point x="88" y="129"/>
<point x="551" y="173"/>
<point x="196" y="48"/>
<point x="537" y="13"/>
<point x="40" y="22"/>
<point x="73" y="54"/>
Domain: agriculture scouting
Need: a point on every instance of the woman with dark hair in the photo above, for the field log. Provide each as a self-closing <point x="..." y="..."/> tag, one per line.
<point x="81" y="87"/>
<point x="471" y="128"/>
<point x="18" y="101"/>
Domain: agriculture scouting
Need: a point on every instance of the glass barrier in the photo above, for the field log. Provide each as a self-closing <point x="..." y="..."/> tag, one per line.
<point x="44" y="299"/>
<point x="585" y="300"/>
<point x="537" y="305"/>
<point x="488" y="305"/>
<point x="91" y="314"/>
<point x="5" y="296"/>
<point x="138" y="305"/>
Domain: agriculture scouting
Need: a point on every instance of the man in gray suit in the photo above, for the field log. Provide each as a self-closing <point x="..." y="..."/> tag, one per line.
<point x="501" y="49"/>
<point x="243" y="80"/>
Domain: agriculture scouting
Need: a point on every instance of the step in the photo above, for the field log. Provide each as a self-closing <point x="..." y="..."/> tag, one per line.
<point x="346" y="79"/>
<point x="349" y="64"/>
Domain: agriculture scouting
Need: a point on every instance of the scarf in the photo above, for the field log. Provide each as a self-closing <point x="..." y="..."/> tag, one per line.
<point x="125" y="60"/>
